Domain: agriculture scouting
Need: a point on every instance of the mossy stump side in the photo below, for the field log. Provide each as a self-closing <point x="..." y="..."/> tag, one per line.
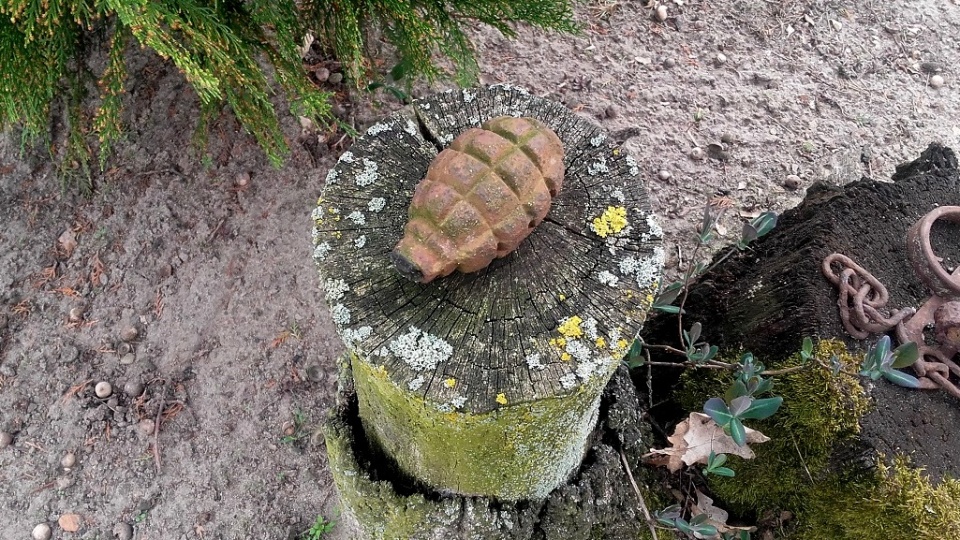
<point x="598" y="504"/>
<point x="486" y="384"/>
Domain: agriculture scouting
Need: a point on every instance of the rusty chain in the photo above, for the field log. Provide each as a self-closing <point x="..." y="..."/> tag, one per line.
<point x="863" y="297"/>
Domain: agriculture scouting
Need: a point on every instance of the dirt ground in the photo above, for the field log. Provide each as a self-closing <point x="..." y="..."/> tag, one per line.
<point x="186" y="281"/>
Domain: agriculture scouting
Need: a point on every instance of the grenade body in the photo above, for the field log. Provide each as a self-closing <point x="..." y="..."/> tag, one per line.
<point x="481" y="197"/>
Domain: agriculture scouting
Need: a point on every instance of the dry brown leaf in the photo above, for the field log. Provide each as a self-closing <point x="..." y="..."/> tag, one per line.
<point x="694" y="439"/>
<point x="68" y="242"/>
<point x="715" y="516"/>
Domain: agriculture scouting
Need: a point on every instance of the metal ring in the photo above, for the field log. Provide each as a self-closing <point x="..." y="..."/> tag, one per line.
<point x="924" y="260"/>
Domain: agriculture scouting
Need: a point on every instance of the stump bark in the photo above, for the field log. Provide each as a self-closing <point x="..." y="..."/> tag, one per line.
<point x="486" y="384"/>
<point x="767" y="299"/>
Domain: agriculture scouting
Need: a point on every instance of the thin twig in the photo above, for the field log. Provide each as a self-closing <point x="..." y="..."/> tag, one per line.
<point x="156" y="427"/>
<point x="802" y="462"/>
<point x="636" y="489"/>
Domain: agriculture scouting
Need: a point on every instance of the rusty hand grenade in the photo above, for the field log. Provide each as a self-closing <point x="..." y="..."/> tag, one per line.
<point x="480" y="198"/>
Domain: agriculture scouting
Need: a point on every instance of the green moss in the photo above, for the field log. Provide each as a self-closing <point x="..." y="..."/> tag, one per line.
<point x="819" y="410"/>
<point x="791" y="471"/>
<point x="518" y="451"/>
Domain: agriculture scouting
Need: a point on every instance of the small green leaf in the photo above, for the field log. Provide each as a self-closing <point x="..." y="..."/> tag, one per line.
<point x="900" y="378"/>
<point x="762" y="408"/>
<point x="737" y="432"/>
<point x="694" y="334"/>
<point x="739" y="405"/>
<point x="705" y="530"/>
<point x="722" y="471"/>
<point x="716" y="409"/>
<point x="905" y="355"/>
<point x="806" y="351"/>
<point x="699" y="519"/>
<point x="667" y="309"/>
<point x="764" y="223"/>
<point x="736" y="390"/>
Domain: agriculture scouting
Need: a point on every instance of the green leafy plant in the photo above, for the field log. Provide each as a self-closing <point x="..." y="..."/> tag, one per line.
<point x="319" y="528"/>
<point x="715" y="466"/>
<point x="696" y="527"/>
<point x="880" y="361"/>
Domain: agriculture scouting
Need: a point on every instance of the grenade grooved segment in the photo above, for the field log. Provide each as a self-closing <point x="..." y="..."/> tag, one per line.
<point x="481" y="197"/>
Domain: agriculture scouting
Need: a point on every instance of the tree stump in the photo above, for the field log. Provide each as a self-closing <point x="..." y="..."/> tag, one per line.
<point x="767" y="299"/>
<point x="488" y="383"/>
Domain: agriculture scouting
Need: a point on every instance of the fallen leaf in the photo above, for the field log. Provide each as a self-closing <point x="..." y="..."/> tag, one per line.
<point x="68" y="242"/>
<point x="69" y="522"/>
<point x="694" y="439"/>
<point x="715" y="516"/>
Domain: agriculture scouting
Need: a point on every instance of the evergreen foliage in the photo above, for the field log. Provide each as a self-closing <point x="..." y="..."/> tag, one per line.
<point x="223" y="48"/>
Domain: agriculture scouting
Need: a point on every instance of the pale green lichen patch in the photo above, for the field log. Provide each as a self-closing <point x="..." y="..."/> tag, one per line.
<point x="420" y="350"/>
<point x="519" y="450"/>
<point x="379" y="128"/>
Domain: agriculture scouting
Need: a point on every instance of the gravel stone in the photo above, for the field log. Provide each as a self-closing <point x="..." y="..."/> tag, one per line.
<point x="936" y="81"/>
<point x="6" y="439"/>
<point x="123" y="531"/>
<point x="322" y="74"/>
<point x="128" y="359"/>
<point x="68" y="460"/>
<point x="133" y="388"/>
<point x="42" y="532"/>
<point x="335" y="78"/>
<point x="792" y="182"/>
<point x="145" y="427"/>
<point x="129" y="333"/>
<point x="697" y="154"/>
<point x="103" y="389"/>
<point x="661" y="13"/>
<point x="664" y="175"/>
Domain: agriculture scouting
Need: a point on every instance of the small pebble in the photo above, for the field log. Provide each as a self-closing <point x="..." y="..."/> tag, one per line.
<point x="69" y="522"/>
<point x="103" y="389"/>
<point x="129" y="333"/>
<point x="243" y="179"/>
<point x="6" y="439"/>
<point x="661" y="13"/>
<point x="68" y="460"/>
<point x="669" y="63"/>
<point x="697" y="154"/>
<point x="42" y="532"/>
<point x="314" y="373"/>
<point x="322" y="74"/>
<point x="792" y="182"/>
<point x="726" y="138"/>
<point x="664" y="174"/>
<point x="123" y="531"/>
<point x="133" y="388"/>
<point x="612" y="111"/>
<point x="64" y="482"/>
<point x="145" y="427"/>
<point x="335" y="78"/>
<point x="721" y="58"/>
<point x="76" y="314"/>
<point x="124" y="348"/>
<point x="936" y="81"/>
<point x="128" y="359"/>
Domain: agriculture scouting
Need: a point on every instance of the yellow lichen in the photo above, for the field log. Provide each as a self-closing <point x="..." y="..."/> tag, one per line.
<point x="501" y="399"/>
<point x="450" y="383"/>
<point x="565" y="357"/>
<point x="612" y="221"/>
<point x="570" y="328"/>
<point x="601" y="343"/>
<point x="559" y="343"/>
<point x="563" y="297"/>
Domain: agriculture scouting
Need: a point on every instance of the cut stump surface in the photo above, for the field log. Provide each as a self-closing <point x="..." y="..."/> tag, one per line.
<point x="486" y="383"/>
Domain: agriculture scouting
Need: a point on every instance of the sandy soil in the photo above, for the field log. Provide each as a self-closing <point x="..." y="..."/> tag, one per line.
<point x="186" y="282"/>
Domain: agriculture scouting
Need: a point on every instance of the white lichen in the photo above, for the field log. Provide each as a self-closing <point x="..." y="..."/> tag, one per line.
<point x="335" y="288"/>
<point x="618" y="196"/>
<point x="632" y="164"/>
<point x="590" y="328"/>
<point x="369" y="173"/>
<point x="420" y="350"/>
<point x="376" y="204"/>
<point x="411" y="128"/>
<point x="341" y="315"/>
<point x="648" y="269"/>
<point x="598" y="139"/>
<point x="426" y="106"/>
<point x="352" y="337"/>
<point x="600" y="166"/>
<point x="568" y="381"/>
<point x="467" y="96"/>
<point x="357" y="217"/>
<point x="578" y="350"/>
<point x="607" y="278"/>
<point x="458" y="402"/>
<point x="317" y="213"/>
<point x="533" y="361"/>
<point x="321" y="251"/>
<point x="586" y="370"/>
<point x="361" y="241"/>
<point x="347" y="157"/>
<point x="378" y="128"/>
<point x="654" y="230"/>
<point x="446" y="139"/>
<point x="332" y="176"/>
<point x="416" y="383"/>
